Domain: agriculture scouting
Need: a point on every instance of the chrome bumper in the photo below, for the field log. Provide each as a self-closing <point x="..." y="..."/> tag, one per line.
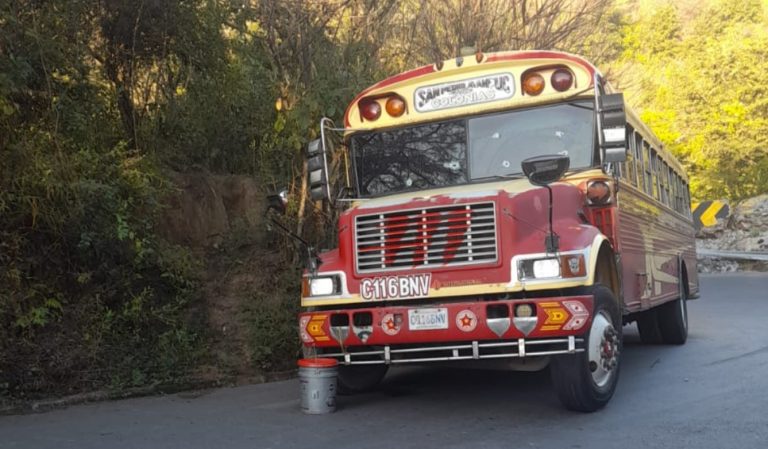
<point x="464" y="351"/>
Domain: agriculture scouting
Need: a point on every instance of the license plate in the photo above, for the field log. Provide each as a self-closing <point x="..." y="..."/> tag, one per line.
<point x="427" y="319"/>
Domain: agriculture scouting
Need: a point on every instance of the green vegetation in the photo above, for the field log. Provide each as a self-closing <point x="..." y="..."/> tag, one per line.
<point x="700" y="85"/>
<point x="101" y="101"/>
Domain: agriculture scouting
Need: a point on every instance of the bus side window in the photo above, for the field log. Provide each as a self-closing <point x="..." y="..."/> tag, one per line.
<point x="664" y="182"/>
<point x="681" y="195"/>
<point x="630" y="165"/>
<point x="653" y="176"/>
<point x="674" y="189"/>
<point x="639" y="161"/>
<point x="623" y="167"/>
<point x="657" y="175"/>
<point x="660" y="174"/>
<point x="671" y="177"/>
<point x="680" y="207"/>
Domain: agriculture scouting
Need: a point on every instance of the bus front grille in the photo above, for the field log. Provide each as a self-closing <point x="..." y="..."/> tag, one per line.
<point x="429" y="237"/>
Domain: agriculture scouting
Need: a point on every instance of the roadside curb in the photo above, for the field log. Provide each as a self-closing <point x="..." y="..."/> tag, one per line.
<point x="46" y="405"/>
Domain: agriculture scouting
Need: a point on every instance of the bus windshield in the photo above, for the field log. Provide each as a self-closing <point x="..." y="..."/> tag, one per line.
<point x="478" y="148"/>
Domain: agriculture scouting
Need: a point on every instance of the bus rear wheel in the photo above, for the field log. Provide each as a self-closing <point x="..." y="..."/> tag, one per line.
<point x="673" y="318"/>
<point x="586" y="381"/>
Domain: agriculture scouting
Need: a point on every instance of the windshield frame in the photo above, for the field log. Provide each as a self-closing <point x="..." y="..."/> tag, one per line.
<point x="582" y="103"/>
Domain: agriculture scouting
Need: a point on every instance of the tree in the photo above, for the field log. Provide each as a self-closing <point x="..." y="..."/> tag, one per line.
<point x="432" y="30"/>
<point x="701" y="90"/>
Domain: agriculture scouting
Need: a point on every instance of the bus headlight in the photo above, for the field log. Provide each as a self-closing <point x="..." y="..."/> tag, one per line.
<point x="324" y="286"/>
<point x="539" y="268"/>
<point x="546" y="268"/>
<point x="565" y="266"/>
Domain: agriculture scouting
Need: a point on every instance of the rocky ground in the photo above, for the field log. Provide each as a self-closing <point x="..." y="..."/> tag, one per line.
<point x="745" y="230"/>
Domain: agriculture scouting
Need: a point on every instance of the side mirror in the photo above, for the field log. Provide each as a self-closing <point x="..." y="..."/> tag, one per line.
<point x="317" y="170"/>
<point x="544" y="170"/>
<point x="613" y="128"/>
<point x="278" y="201"/>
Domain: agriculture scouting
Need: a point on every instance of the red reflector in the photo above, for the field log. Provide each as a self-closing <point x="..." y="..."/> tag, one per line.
<point x="561" y="80"/>
<point x="370" y="110"/>
<point x="602" y="218"/>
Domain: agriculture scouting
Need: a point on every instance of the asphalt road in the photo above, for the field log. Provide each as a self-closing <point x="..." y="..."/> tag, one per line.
<point x="710" y="393"/>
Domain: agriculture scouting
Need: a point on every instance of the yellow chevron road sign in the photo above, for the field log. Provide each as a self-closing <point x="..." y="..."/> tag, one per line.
<point x="706" y="213"/>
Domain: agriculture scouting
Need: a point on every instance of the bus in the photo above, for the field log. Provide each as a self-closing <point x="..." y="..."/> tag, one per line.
<point x="502" y="208"/>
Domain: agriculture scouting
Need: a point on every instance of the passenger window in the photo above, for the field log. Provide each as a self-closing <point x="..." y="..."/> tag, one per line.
<point x="631" y="169"/>
<point x="648" y="164"/>
<point x="654" y="160"/>
<point x="639" y="161"/>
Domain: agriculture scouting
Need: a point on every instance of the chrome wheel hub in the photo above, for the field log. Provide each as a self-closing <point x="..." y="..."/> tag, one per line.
<point x="603" y="349"/>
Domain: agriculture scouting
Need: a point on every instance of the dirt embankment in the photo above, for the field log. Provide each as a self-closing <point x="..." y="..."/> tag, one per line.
<point x="746" y="230"/>
<point x="221" y="218"/>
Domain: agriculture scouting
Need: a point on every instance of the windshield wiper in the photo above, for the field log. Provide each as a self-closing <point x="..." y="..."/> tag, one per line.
<point x="517" y="175"/>
<point x="580" y="105"/>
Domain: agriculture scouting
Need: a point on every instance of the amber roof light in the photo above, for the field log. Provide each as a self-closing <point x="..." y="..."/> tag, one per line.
<point x="533" y="84"/>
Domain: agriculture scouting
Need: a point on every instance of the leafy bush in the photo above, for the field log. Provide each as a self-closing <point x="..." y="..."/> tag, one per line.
<point x="270" y="317"/>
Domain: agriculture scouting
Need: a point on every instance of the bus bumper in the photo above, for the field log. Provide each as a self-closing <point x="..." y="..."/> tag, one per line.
<point x="450" y="331"/>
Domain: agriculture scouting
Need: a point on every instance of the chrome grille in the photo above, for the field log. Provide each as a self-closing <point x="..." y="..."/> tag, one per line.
<point x="429" y="237"/>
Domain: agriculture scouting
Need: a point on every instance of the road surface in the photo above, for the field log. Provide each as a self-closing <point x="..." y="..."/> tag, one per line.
<point x="710" y="393"/>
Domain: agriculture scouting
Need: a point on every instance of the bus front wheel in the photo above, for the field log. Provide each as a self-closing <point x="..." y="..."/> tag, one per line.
<point x="355" y="379"/>
<point x="586" y="381"/>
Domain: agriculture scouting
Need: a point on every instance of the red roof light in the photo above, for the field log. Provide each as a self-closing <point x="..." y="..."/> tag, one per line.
<point x="562" y="80"/>
<point x="370" y="109"/>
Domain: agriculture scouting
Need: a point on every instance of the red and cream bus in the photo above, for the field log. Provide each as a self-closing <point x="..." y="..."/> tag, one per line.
<point x="498" y="207"/>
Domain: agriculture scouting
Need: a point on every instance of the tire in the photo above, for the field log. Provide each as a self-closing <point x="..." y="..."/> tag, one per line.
<point x="355" y="379"/>
<point x="648" y="327"/>
<point x="578" y="387"/>
<point x="673" y="318"/>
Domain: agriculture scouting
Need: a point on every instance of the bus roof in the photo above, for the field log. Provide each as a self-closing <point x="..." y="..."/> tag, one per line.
<point x="478" y="84"/>
<point x="453" y="74"/>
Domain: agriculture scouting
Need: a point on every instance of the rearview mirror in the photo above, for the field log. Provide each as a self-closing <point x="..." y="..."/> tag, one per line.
<point x="613" y="128"/>
<point x="278" y="201"/>
<point x="317" y="171"/>
<point x="546" y="169"/>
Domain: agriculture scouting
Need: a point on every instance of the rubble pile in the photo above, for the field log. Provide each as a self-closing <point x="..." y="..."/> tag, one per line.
<point x="746" y="230"/>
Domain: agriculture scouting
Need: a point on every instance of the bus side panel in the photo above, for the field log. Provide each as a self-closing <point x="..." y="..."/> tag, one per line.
<point x="651" y="237"/>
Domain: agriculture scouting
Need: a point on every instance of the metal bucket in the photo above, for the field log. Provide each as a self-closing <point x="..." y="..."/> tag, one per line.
<point x="317" y="378"/>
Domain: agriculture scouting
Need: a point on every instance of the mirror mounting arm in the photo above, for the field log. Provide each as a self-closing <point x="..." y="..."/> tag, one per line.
<point x="542" y="171"/>
<point x="312" y="259"/>
<point x="552" y="240"/>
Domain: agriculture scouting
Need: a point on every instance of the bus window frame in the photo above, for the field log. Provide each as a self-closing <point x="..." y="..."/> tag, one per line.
<point x="347" y="142"/>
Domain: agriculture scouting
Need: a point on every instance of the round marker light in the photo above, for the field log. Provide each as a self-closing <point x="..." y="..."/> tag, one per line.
<point x="561" y="80"/>
<point x="523" y="311"/>
<point x="395" y="106"/>
<point x="598" y="192"/>
<point x="533" y="84"/>
<point x="370" y="110"/>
